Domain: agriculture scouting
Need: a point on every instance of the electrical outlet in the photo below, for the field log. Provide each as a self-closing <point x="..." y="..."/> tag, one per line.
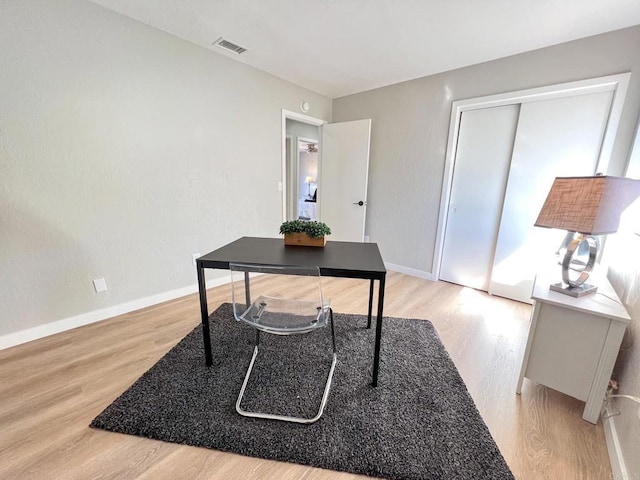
<point x="194" y="257"/>
<point x="100" y="285"/>
<point x="366" y="239"/>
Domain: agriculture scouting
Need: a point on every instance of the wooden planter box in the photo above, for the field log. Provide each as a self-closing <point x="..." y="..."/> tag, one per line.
<point x="303" y="239"/>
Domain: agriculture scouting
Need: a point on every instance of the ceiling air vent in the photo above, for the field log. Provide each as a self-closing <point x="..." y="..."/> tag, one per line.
<point x="231" y="47"/>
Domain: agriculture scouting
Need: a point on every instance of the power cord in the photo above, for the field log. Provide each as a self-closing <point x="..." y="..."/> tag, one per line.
<point x="610" y="410"/>
<point x="610" y="298"/>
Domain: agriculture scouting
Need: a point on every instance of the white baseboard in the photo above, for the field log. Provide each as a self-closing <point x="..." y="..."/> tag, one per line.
<point x="618" y="467"/>
<point x="41" y="331"/>
<point x="410" y="271"/>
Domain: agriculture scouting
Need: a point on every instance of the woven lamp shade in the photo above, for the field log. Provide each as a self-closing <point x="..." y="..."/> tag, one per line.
<point x="589" y="205"/>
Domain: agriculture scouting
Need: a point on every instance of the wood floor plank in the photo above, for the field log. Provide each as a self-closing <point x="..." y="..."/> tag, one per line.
<point x="51" y="389"/>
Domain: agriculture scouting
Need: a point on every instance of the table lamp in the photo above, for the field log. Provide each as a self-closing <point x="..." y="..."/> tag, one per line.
<point x="587" y="206"/>
<point x="309" y="181"/>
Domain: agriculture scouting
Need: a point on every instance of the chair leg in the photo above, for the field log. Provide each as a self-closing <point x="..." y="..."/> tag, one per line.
<point x="286" y="418"/>
<point x="333" y="333"/>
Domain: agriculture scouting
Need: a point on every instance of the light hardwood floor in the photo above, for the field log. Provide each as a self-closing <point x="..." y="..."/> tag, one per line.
<point x="52" y="388"/>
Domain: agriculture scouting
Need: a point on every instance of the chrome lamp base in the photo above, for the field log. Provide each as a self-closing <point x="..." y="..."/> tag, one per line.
<point x="580" y="291"/>
<point x="576" y="287"/>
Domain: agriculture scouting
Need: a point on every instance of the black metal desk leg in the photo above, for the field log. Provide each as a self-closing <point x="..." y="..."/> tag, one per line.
<point x="204" y="312"/>
<point x="370" y="303"/>
<point x="376" y="353"/>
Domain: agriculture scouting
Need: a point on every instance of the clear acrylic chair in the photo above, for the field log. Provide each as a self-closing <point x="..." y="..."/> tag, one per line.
<point x="272" y="306"/>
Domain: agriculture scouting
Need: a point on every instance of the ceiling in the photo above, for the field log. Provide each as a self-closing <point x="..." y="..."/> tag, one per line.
<point x="340" y="47"/>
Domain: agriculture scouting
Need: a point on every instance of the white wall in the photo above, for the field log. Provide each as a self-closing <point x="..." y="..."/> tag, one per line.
<point x="633" y="169"/>
<point x="410" y="124"/>
<point x="123" y="150"/>
<point x="304" y="130"/>
<point x="624" y="273"/>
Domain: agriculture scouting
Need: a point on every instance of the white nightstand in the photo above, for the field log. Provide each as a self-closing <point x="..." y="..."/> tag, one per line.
<point x="573" y="343"/>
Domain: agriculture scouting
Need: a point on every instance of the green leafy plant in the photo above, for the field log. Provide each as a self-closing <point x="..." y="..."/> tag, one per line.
<point x="312" y="228"/>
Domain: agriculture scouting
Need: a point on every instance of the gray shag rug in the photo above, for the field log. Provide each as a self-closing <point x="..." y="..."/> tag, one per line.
<point x="419" y="423"/>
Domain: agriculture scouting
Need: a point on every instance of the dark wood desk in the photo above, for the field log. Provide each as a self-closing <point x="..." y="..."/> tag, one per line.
<point x="336" y="259"/>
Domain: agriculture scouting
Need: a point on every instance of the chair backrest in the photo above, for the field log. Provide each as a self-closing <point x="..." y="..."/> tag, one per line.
<point x="280" y="300"/>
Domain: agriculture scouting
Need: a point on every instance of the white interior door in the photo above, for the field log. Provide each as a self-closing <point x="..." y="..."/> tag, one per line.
<point x="554" y="138"/>
<point x="482" y="161"/>
<point x="343" y="176"/>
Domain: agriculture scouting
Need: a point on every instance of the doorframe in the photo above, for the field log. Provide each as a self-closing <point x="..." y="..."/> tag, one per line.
<point x="289" y="152"/>
<point x="298" y="117"/>
<point x="618" y="84"/>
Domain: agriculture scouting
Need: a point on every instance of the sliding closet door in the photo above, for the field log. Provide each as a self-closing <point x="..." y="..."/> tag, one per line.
<point x="560" y="137"/>
<point x="483" y="155"/>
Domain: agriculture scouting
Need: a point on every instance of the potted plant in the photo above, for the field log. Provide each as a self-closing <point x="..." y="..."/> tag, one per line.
<point x="305" y="232"/>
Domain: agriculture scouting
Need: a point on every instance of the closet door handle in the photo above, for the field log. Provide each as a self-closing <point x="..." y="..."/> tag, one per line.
<point x="361" y="203"/>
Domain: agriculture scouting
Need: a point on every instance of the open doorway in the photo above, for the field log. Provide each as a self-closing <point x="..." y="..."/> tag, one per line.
<point x="307" y="179"/>
<point x="301" y="166"/>
<point x="334" y="189"/>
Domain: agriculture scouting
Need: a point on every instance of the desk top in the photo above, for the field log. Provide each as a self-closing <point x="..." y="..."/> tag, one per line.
<point x="336" y="259"/>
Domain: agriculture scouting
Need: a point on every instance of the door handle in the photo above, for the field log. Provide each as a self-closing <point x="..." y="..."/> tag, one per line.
<point x="361" y="203"/>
